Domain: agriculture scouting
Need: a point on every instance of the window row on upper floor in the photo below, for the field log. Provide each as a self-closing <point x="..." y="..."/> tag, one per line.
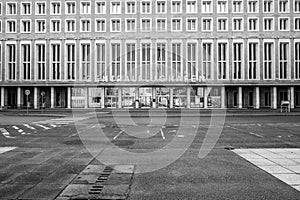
<point x="147" y="7"/>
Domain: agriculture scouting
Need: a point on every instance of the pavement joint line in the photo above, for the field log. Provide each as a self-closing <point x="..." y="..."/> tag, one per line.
<point x="243" y="131"/>
<point x="117" y="135"/>
<point x="162" y="134"/>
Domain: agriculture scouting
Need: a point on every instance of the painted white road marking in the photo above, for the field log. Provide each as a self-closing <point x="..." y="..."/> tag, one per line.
<point x="162" y="134"/>
<point x="118" y="135"/>
<point x="251" y="133"/>
<point x="42" y="126"/>
<point x="15" y="127"/>
<point x="180" y="136"/>
<point x="6" y="134"/>
<point x="6" y="149"/>
<point x="28" y="126"/>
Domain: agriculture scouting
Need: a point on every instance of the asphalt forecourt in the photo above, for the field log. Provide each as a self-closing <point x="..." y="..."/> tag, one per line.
<point x="252" y="158"/>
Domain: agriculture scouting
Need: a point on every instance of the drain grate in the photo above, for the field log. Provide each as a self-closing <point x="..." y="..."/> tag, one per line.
<point x="96" y="189"/>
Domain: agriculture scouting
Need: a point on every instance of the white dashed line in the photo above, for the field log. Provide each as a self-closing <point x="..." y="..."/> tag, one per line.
<point x="44" y="127"/>
<point x="118" y="135"/>
<point x="162" y="134"/>
<point x="28" y="126"/>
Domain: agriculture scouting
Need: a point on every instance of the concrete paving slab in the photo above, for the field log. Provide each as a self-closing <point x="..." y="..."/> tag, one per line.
<point x="295" y="169"/>
<point x="118" y="179"/>
<point x="86" y="179"/>
<point x="291" y="179"/>
<point x="115" y="191"/>
<point x="76" y="190"/>
<point x="251" y="156"/>
<point x="276" y="169"/>
<point x="284" y="162"/>
<point x="93" y="169"/>
<point x="297" y="187"/>
<point x="129" y="169"/>
<point x="261" y="162"/>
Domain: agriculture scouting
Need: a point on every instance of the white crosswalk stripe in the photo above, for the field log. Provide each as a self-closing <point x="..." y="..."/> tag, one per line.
<point x="42" y="126"/>
<point x="30" y="127"/>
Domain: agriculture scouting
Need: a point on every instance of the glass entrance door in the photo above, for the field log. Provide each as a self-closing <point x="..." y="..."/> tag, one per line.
<point x="163" y="97"/>
<point x="145" y="97"/>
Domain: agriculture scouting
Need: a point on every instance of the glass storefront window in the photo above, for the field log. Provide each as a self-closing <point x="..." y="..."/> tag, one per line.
<point x="214" y="97"/>
<point x="179" y="97"/>
<point x="128" y="97"/>
<point x="95" y="97"/>
<point x="111" y="97"/>
<point x="78" y="98"/>
<point x="163" y="97"/>
<point x="145" y="97"/>
<point x="197" y="97"/>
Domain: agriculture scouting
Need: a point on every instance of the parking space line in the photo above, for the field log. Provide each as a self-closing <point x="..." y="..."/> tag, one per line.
<point x="162" y="134"/>
<point x="118" y="135"/>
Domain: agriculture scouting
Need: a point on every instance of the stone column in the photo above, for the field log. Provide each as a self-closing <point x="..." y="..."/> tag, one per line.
<point x="86" y="96"/>
<point x="52" y="101"/>
<point x="274" y="98"/>
<point x="240" y="95"/>
<point x="171" y="97"/>
<point x="35" y="98"/>
<point x="119" y="97"/>
<point x="292" y="97"/>
<point x="205" y="97"/>
<point x="154" y="97"/>
<point x="257" y="98"/>
<point x="2" y="97"/>
<point x="103" y="98"/>
<point x="223" y="96"/>
<point x="188" y="97"/>
<point x="19" y="97"/>
<point x="69" y="101"/>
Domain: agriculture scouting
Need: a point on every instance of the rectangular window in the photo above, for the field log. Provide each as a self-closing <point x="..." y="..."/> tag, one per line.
<point x="85" y="25"/>
<point x="207" y="24"/>
<point x="0" y="28"/>
<point x="252" y="6"/>
<point x="11" y="26"/>
<point x="70" y="25"/>
<point x="222" y="24"/>
<point x="115" y="25"/>
<point x="207" y="60"/>
<point x="297" y="6"/>
<point x="297" y="24"/>
<point x="130" y="7"/>
<point x="100" y="60"/>
<point x="161" y="7"/>
<point x="11" y="8"/>
<point x="253" y="24"/>
<point x="11" y="61"/>
<point x="222" y="6"/>
<point x="237" y="6"/>
<point x="191" y="25"/>
<point x="146" y="7"/>
<point x="283" y="60"/>
<point x="284" y="24"/>
<point x="26" y="8"/>
<point x="115" y="8"/>
<point x="161" y="25"/>
<point x="176" y="61"/>
<point x="85" y="7"/>
<point x="297" y="60"/>
<point x="146" y="62"/>
<point x="268" y="60"/>
<point x="176" y="6"/>
<point x="146" y="25"/>
<point x="55" y="25"/>
<point x="176" y="24"/>
<point x="191" y="71"/>
<point x="268" y="24"/>
<point x="26" y="26"/>
<point x="70" y="61"/>
<point x="40" y="26"/>
<point x="55" y="8"/>
<point x="191" y="6"/>
<point x="161" y="61"/>
<point x="85" y="61"/>
<point x="41" y="61"/>
<point x="100" y="25"/>
<point x="130" y="25"/>
<point x="237" y="24"/>
<point x="222" y="60"/>
<point x="283" y="6"/>
<point x="130" y="61"/>
<point x="116" y="60"/>
<point x="253" y="60"/>
<point x="55" y="61"/>
<point x="0" y="8"/>
<point x="206" y="6"/>
<point x="40" y="8"/>
<point x="70" y="8"/>
<point x="100" y="7"/>
<point x="237" y="60"/>
<point x="268" y="6"/>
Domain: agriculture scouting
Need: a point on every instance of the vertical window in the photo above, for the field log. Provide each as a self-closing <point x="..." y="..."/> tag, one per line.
<point x="237" y="60"/>
<point x="252" y="6"/>
<point x="161" y="7"/>
<point x="1" y="70"/>
<point x="206" y="6"/>
<point x="297" y="6"/>
<point x="222" y="6"/>
<point x="161" y="25"/>
<point x="253" y="24"/>
<point x="116" y="60"/>
<point x="206" y="24"/>
<point x="26" y="8"/>
<point x="40" y="26"/>
<point x="268" y="24"/>
<point x="146" y="62"/>
<point x="85" y="61"/>
<point x="0" y="26"/>
<point x="237" y="6"/>
<point x="176" y="6"/>
<point x="222" y="61"/>
<point x="191" y="71"/>
<point x="176" y="61"/>
<point x="283" y="60"/>
<point x="85" y="7"/>
<point x="297" y="60"/>
<point x="85" y="25"/>
<point x="283" y="6"/>
<point x="55" y="8"/>
<point x="268" y="6"/>
<point x="297" y="24"/>
<point x="41" y="61"/>
<point x="55" y="25"/>
<point x="100" y="59"/>
<point x="146" y="25"/>
<point x="26" y="26"/>
<point x="130" y="25"/>
<point x="130" y="7"/>
<point x="70" y="25"/>
<point x="253" y="60"/>
<point x="222" y="24"/>
<point x="100" y="25"/>
<point x="115" y="25"/>
<point x="207" y="60"/>
<point x="40" y="8"/>
<point x="146" y="7"/>
<point x="191" y="6"/>
<point x="55" y="61"/>
<point x="70" y="8"/>
<point x="268" y="60"/>
<point x="11" y="26"/>
<point x="237" y="24"/>
<point x="100" y="7"/>
<point x="284" y="24"/>
<point x="70" y="51"/>
<point x="130" y="62"/>
<point x="191" y="25"/>
<point x="161" y="61"/>
<point x="11" y="8"/>
<point x="176" y="24"/>
<point x="11" y="61"/>
<point x="0" y="8"/>
<point x="115" y="8"/>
